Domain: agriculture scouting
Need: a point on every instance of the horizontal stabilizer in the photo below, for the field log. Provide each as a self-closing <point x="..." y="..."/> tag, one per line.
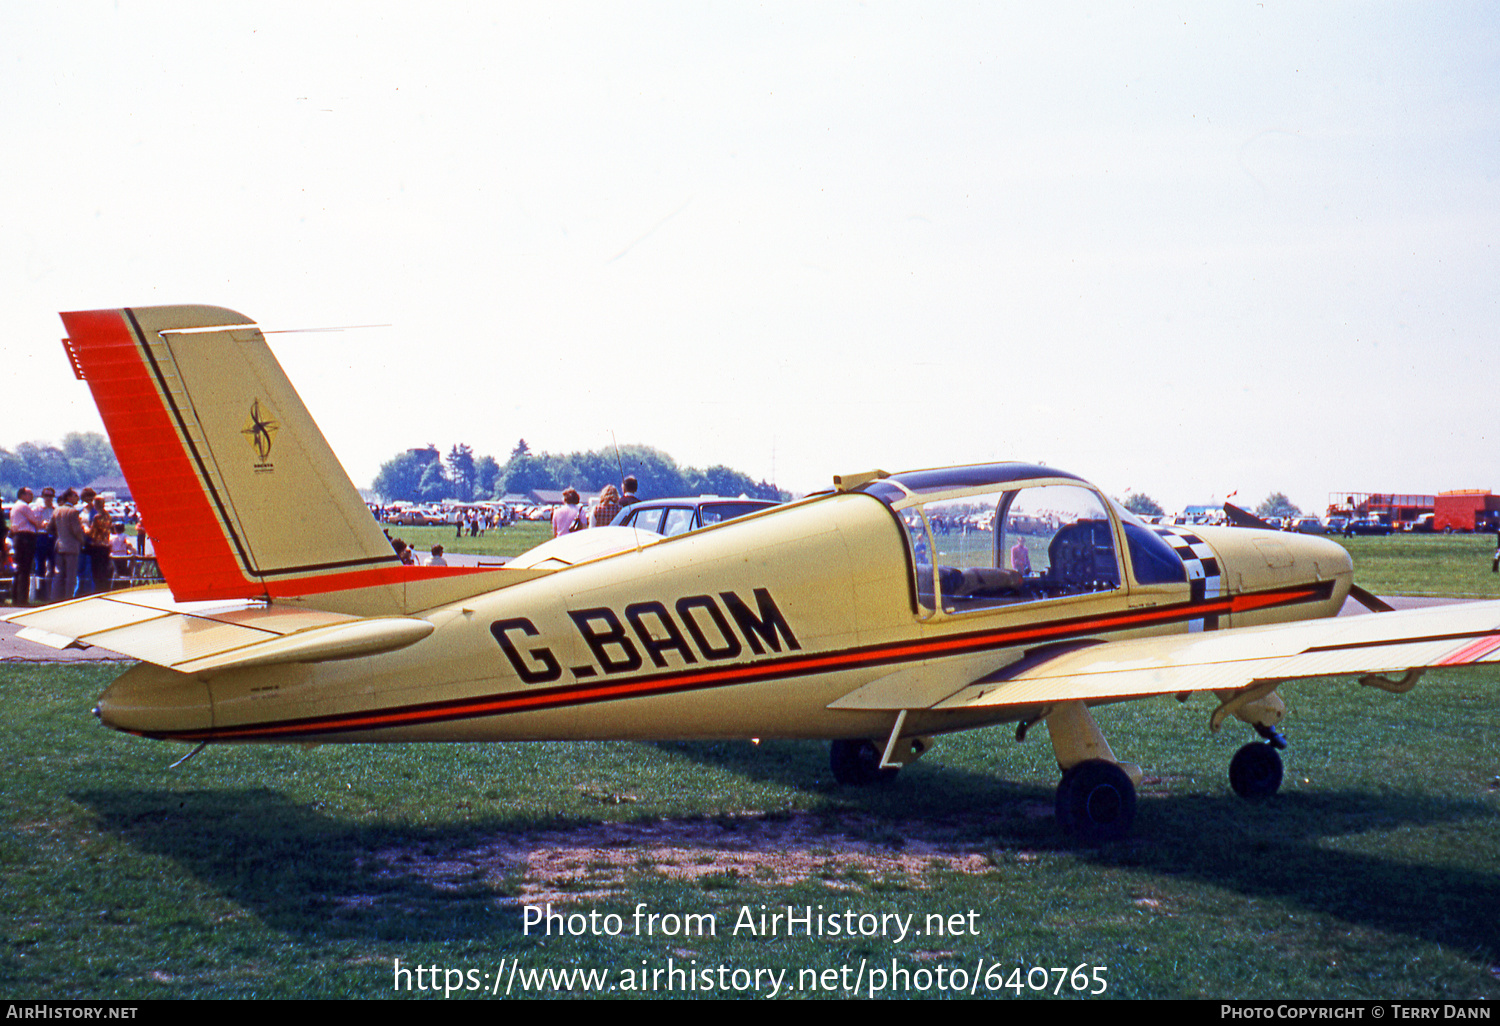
<point x="209" y="637"/>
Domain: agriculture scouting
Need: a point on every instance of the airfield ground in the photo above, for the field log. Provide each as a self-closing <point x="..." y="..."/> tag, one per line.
<point x="270" y="871"/>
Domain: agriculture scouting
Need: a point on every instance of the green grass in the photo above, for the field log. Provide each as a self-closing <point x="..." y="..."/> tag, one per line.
<point x="503" y="542"/>
<point x="1457" y="565"/>
<point x="277" y="872"/>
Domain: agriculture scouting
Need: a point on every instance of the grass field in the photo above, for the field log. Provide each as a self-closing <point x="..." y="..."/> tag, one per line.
<point x="502" y="543"/>
<point x="1457" y="565"/>
<point x="280" y="872"/>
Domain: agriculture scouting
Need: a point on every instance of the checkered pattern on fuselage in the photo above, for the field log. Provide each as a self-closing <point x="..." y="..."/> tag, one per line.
<point x="1204" y="575"/>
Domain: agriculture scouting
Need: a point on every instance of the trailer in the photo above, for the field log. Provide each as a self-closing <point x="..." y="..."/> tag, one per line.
<point x="1470" y="510"/>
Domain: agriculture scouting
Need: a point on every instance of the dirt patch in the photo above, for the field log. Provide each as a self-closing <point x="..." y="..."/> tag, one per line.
<point x="595" y="862"/>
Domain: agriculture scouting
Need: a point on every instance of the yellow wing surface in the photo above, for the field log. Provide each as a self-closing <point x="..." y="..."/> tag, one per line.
<point x="1232" y="660"/>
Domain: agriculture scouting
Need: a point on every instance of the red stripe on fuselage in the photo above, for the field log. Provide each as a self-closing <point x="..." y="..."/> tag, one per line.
<point x="772" y="668"/>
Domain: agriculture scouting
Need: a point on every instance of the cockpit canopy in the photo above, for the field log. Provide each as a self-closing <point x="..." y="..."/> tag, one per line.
<point x="1001" y="534"/>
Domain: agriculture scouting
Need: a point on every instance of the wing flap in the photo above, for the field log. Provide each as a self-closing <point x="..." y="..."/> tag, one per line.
<point x="919" y="686"/>
<point x="1455" y="635"/>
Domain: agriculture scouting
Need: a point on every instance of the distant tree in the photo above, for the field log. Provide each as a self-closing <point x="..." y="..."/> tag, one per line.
<point x="435" y="485"/>
<point x="524" y="473"/>
<point x="420" y="475"/>
<point x="486" y="477"/>
<point x="588" y="471"/>
<point x="658" y="474"/>
<point x="12" y="473"/>
<point x="721" y="480"/>
<point x="400" y="479"/>
<point x="83" y="457"/>
<point x="45" y="465"/>
<point x="1277" y="505"/>
<point x="461" y="471"/>
<point x="90" y="455"/>
<point x="1143" y="505"/>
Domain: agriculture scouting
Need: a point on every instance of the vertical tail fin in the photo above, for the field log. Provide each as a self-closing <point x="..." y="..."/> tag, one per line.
<point x="241" y="494"/>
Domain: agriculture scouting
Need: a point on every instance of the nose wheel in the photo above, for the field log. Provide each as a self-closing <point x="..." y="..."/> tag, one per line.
<point x="1255" y="771"/>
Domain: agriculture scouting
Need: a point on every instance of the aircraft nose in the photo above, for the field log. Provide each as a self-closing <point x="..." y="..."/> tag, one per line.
<point x="1327" y="558"/>
<point x="155" y="701"/>
<point x="1262" y="562"/>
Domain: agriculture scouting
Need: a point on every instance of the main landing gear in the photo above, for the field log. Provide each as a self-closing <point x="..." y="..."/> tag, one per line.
<point x="857" y="763"/>
<point x="862" y="762"/>
<point x="1096" y="802"/>
<point x="1096" y="798"/>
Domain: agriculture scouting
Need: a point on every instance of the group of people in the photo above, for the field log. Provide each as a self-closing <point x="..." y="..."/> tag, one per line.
<point x="479" y="521"/>
<point x="572" y="516"/>
<point x="409" y="557"/>
<point x="69" y="545"/>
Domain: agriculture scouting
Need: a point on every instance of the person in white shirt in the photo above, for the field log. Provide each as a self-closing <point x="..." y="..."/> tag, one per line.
<point x="568" y="517"/>
<point x="436" y="559"/>
<point x="24" y="526"/>
<point x="46" y="562"/>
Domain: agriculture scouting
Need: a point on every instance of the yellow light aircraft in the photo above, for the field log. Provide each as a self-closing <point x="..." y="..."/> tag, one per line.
<point x="890" y="609"/>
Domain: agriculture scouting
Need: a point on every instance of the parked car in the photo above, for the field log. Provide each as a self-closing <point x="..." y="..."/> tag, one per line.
<point x="1367" y="525"/>
<point x="676" y="516"/>
<point x="1308" y="525"/>
<point x="415" y="516"/>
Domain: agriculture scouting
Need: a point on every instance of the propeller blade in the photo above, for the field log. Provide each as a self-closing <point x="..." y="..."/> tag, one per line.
<point x="1372" y="602"/>
<point x="1243" y="518"/>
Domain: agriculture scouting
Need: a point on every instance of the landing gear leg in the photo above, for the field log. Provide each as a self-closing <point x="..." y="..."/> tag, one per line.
<point x="1096" y="798"/>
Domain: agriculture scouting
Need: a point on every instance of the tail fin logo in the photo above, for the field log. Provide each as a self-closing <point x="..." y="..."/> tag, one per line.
<point x="260" y="431"/>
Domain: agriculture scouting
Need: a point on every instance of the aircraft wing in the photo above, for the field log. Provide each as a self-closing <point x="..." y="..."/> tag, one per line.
<point x="211" y="636"/>
<point x="1230" y="660"/>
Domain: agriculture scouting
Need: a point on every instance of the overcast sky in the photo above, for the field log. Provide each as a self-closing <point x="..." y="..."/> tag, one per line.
<point x="1185" y="249"/>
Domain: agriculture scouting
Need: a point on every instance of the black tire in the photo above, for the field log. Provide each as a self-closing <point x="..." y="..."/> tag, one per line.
<point x="1255" y="771"/>
<point x="857" y="764"/>
<point x="1096" y="802"/>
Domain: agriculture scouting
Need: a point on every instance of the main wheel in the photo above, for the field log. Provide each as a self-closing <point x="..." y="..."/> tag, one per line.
<point x="1096" y="802"/>
<point x="1255" y="771"/>
<point x="857" y="763"/>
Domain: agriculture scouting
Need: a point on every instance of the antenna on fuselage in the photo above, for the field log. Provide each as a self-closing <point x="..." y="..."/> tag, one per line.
<point x="620" y="466"/>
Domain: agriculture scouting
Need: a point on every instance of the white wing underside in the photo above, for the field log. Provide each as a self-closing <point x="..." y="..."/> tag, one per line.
<point x="1454" y="635"/>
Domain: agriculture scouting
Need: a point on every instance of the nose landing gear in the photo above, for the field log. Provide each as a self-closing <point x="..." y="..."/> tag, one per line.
<point x="1255" y="771"/>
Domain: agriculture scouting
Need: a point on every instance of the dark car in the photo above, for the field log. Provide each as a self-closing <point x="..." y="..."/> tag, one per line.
<point x="675" y="516"/>
<point x="1366" y="525"/>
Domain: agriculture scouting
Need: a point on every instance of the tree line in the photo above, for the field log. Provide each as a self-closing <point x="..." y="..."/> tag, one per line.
<point x="1276" y="505"/>
<point x="82" y="457"/>
<point x="426" y="475"/>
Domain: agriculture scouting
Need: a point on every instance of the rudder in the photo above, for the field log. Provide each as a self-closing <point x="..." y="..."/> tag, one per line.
<point x="241" y="494"/>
